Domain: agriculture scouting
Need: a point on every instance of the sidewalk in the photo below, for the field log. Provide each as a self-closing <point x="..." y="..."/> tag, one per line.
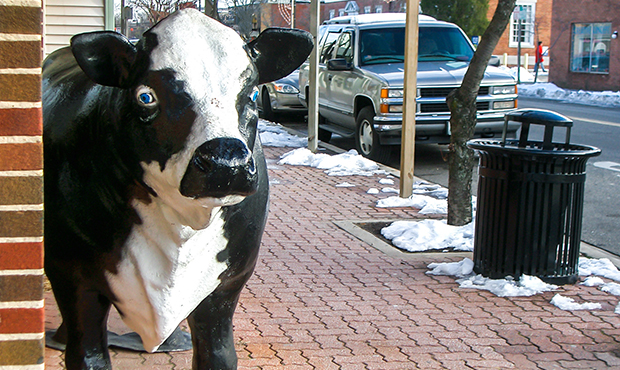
<point x="323" y="299"/>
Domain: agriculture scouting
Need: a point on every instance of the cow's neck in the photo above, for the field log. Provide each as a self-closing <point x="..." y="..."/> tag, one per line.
<point x="167" y="269"/>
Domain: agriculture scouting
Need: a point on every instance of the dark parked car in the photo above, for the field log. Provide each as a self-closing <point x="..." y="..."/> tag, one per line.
<point x="280" y="96"/>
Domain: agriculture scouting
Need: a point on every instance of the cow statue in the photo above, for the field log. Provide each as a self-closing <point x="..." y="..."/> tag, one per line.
<point x="156" y="188"/>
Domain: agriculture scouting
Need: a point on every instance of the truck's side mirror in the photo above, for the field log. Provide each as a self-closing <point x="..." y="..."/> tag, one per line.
<point x="339" y="64"/>
<point x="494" y="61"/>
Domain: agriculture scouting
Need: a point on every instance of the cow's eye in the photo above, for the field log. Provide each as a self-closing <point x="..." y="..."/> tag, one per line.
<point x="254" y="94"/>
<point x="146" y="96"/>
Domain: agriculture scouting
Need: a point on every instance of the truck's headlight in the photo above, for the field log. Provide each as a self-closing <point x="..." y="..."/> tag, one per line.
<point x="504" y="104"/>
<point x="391" y="108"/>
<point x="503" y="90"/>
<point x="392" y="93"/>
<point x="285" y="88"/>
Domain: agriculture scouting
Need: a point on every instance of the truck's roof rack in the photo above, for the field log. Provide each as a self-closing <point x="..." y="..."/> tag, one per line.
<point x="374" y="18"/>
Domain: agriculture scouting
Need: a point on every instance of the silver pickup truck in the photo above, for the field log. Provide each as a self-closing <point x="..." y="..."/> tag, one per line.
<point x="361" y="73"/>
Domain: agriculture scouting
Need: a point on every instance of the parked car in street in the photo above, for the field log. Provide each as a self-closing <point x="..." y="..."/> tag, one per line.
<point x="280" y="96"/>
<point x="361" y="73"/>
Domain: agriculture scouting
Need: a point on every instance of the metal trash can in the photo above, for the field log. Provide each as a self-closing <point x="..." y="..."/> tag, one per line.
<point x="530" y="201"/>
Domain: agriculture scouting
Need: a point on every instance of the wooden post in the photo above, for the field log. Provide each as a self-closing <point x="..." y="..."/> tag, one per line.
<point x="407" y="144"/>
<point x="123" y="19"/>
<point x="313" y="93"/>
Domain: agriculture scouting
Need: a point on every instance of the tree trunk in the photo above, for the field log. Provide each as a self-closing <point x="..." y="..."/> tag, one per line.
<point x="211" y="9"/>
<point x="462" y="104"/>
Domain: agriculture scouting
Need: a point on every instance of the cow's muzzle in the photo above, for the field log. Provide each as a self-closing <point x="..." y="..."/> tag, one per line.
<point x="219" y="168"/>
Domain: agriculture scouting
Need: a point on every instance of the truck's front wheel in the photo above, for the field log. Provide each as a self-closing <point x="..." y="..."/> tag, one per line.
<point x="367" y="139"/>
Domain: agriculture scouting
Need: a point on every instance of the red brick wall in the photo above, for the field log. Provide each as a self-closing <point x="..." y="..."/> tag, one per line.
<point x="21" y="187"/>
<point x="271" y="15"/>
<point x="395" y="6"/>
<point x="567" y="12"/>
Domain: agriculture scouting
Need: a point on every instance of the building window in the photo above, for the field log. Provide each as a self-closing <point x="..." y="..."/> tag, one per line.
<point x="341" y="12"/>
<point x="367" y="9"/>
<point x="524" y="12"/>
<point x="590" y="47"/>
<point x="378" y="8"/>
<point x="332" y="13"/>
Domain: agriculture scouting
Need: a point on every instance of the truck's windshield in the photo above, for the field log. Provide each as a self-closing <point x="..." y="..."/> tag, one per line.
<point x="387" y="45"/>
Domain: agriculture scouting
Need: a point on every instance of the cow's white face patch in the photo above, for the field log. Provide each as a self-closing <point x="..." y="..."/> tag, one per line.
<point x="214" y="70"/>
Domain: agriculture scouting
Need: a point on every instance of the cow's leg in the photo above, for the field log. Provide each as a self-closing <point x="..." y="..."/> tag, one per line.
<point x="212" y="331"/>
<point x="87" y="338"/>
<point x="85" y="314"/>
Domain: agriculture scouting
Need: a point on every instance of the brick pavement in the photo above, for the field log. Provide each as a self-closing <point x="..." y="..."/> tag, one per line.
<point x="322" y="299"/>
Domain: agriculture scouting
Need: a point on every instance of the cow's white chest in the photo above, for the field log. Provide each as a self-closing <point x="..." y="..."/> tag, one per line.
<point x="166" y="271"/>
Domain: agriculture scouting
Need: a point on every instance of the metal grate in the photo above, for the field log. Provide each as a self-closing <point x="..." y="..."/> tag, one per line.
<point x="443" y="107"/>
<point x="437" y="92"/>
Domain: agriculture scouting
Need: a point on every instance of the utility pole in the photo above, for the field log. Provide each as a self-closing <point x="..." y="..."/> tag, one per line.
<point x="123" y="19"/>
<point x="292" y="13"/>
<point x="407" y="144"/>
<point x="520" y="35"/>
<point x="313" y="93"/>
<point x="520" y="15"/>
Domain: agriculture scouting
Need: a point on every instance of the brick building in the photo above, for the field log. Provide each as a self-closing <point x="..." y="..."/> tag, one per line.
<point x="21" y="187"/>
<point x="536" y="25"/>
<point x="333" y="9"/>
<point x="277" y="13"/>
<point x="585" y="49"/>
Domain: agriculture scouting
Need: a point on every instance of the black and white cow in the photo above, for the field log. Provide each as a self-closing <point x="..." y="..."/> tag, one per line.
<point x="156" y="188"/>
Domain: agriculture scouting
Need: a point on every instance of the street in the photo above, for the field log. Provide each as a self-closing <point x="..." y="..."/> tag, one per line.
<point x="599" y="127"/>
<point x="596" y="126"/>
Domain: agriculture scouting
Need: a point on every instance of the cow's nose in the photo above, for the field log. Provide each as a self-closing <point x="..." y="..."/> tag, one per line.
<point x="220" y="167"/>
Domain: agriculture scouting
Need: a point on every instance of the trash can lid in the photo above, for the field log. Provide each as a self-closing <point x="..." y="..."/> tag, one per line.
<point x="540" y="117"/>
<point x="512" y="148"/>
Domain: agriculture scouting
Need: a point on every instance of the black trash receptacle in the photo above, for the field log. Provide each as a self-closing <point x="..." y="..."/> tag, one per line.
<point x="530" y="201"/>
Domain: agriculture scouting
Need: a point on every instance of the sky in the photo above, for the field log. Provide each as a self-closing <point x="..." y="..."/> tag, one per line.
<point x="436" y="235"/>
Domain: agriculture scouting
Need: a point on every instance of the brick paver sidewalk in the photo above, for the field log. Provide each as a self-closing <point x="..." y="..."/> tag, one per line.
<point x="322" y="299"/>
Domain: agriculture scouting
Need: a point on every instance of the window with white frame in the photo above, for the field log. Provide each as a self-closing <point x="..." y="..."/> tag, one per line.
<point x="367" y="9"/>
<point x="590" y="47"/>
<point x="378" y="8"/>
<point x="523" y="15"/>
<point x="332" y="13"/>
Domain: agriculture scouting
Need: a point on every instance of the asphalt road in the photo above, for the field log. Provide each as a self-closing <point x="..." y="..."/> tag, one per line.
<point x="596" y="126"/>
<point x="599" y="127"/>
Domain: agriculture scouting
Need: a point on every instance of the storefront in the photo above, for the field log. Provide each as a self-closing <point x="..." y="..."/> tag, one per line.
<point x="585" y="52"/>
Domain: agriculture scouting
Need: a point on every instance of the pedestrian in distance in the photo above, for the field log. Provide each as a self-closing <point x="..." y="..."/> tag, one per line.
<point x="539" y="60"/>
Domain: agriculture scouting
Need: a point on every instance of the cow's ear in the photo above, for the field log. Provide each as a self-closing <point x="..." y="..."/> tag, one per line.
<point x="105" y="56"/>
<point x="279" y="51"/>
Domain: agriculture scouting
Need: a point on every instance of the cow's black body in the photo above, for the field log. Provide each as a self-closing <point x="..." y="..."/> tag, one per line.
<point x="109" y="155"/>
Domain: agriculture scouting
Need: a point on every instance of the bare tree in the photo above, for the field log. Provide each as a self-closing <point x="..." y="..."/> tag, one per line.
<point x="157" y="10"/>
<point x="462" y="103"/>
<point x="245" y="13"/>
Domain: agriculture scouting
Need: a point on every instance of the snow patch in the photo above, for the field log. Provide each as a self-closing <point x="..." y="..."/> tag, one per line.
<point x="569" y="304"/>
<point x="345" y="164"/>
<point x="419" y="236"/>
